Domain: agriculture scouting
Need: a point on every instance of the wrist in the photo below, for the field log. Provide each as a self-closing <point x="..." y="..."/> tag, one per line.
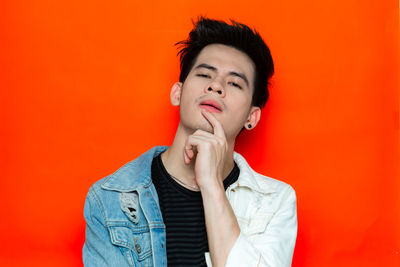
<point x="213" y="190"/>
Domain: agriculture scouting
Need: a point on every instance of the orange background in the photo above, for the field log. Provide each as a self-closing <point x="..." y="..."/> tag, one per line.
<point x="84" y="88"/>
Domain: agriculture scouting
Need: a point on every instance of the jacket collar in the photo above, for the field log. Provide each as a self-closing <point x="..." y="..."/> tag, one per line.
<point x="251" y="179"/>
<point x="137" y="173"/>
<point x="134" y="174"/>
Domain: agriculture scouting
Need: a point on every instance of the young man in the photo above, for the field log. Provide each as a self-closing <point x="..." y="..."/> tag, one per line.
<point x="198" y="202"/>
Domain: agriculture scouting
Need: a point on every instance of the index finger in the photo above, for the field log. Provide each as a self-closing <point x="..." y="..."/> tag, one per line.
<point x="218" y="130"/>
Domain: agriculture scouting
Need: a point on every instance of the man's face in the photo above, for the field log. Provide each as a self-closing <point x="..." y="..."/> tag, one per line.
<point x="222" y="82"/>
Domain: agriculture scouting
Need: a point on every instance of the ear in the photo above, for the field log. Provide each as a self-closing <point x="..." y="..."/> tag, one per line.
<point x="254" y="117"/>
<point x="175" y="95"/>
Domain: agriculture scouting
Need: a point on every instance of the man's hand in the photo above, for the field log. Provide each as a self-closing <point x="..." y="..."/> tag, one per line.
<point x="209" y="151"/>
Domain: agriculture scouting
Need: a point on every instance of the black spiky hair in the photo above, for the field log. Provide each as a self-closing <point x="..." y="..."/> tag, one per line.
<point x="237" y="35"/>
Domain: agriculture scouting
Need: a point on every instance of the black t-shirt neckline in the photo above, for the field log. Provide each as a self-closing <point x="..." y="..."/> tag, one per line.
<point x="229" y="180"/>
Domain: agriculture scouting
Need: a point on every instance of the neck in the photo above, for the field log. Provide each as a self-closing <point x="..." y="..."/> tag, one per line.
<point x="173" y="158"/>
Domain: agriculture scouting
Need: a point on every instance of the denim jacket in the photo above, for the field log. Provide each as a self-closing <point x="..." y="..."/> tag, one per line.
<point x="124" y="225"/>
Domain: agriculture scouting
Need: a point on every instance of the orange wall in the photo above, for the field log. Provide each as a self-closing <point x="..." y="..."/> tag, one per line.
<point x="84" y="88"/>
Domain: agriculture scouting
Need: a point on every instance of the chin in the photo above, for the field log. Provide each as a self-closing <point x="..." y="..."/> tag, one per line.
<point x="205" y="127"/>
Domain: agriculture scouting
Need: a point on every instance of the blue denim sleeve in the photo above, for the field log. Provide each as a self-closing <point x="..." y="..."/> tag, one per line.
<point x="98" y="249"/>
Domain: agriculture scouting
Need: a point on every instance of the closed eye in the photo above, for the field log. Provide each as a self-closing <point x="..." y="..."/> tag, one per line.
<point x="203" y="75"/>
<point x="235" y="85"/>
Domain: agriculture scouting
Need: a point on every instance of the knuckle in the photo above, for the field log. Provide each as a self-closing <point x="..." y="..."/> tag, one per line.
<point x="199" y="132"/>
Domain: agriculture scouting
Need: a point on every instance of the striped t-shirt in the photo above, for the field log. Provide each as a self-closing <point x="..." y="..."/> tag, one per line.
<point x="183" y="215"/>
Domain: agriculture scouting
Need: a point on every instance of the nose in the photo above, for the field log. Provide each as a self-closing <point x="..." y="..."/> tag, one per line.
<point x="216" y="87"/>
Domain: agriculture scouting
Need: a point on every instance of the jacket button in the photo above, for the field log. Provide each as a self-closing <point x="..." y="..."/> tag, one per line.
<point x="138" y="248"/>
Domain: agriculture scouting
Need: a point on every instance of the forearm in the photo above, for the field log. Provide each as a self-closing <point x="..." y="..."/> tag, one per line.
<point x="222" y="227"/>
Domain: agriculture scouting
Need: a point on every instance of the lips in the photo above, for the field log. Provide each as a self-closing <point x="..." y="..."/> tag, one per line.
<point x="211" y="105"/>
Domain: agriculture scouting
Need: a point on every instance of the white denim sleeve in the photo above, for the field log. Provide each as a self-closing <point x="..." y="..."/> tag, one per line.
<point x="275" y="245"/>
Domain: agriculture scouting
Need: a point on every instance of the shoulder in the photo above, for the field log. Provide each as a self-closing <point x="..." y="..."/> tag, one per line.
<point x="104" y="194"/>
<point x="260" y="183"/>
<point x="132" y="175"/>
<point x="276" y="185"/>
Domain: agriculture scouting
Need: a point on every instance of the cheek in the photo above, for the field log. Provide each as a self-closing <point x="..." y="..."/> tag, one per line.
<point x="241" y="108"/>
<point x="188" y="100"/>
<point x="240" y="100"/>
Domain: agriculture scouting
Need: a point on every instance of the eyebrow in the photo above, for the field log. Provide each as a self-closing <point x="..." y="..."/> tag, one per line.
<point x="232" y="73"/>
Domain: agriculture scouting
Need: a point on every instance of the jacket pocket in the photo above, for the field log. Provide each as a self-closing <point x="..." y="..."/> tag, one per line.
<point x="258" y="223"/>
<point x="134" y="242"/>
